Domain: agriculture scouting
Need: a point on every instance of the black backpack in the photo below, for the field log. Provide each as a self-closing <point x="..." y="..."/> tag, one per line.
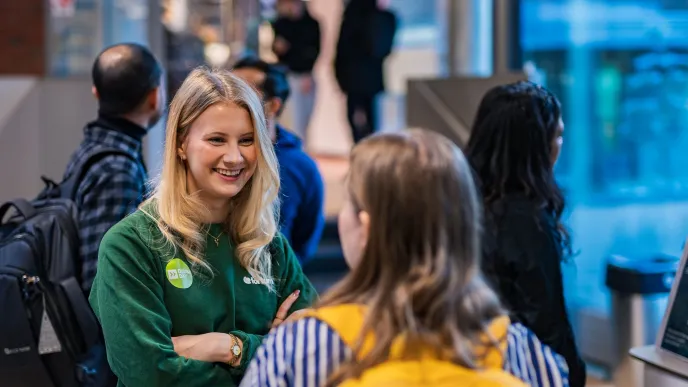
<point x="47" y="328"/>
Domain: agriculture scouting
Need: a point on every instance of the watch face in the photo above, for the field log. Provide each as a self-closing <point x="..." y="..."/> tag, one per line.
<point x="236" y="350"/>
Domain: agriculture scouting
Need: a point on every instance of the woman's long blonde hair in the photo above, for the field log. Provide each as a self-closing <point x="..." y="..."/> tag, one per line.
<point x="419" y="274"/>
<point x="252" y="222"/>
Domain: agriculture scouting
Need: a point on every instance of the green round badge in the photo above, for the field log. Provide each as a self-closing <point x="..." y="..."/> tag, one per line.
<point x="179" y="274"/>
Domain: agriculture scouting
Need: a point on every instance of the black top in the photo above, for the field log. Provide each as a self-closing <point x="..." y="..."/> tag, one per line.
<point x="366" y="38"/>
<point x="303" y="36"/>
<point x="522" y="259"/>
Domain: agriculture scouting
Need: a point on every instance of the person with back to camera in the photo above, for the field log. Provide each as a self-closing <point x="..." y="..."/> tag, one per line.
<point x="366" y="39"/>
<point x="297" y="46"/>
<point x="515" y="142"/>
<point x="128" y="84"/>
<point x="414" y="310"/>
<point x="188" y="284"/>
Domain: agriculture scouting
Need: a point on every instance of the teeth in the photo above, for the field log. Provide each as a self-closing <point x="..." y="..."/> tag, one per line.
<point x="227" y="172"/>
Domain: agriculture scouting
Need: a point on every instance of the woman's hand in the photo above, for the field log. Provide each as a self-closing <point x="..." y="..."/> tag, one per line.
<point x="215" y="347"/>
<point x="281" y="314"/>
<point x="212" y="347"/>
<point x="280" y="46"/>
<point x="297" y="314"/>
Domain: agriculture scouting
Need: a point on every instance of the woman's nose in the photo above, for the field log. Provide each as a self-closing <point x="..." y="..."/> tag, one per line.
<point x="233" y="155"/>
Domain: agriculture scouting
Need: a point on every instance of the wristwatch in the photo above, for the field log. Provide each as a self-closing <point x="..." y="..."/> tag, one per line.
<point x="235" y="349"/>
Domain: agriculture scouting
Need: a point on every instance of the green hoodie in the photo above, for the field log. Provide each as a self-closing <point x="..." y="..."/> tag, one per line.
<point x="144" y="294"/>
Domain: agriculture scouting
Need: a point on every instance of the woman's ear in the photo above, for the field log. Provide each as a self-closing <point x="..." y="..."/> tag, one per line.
<point x="181" y="151"/>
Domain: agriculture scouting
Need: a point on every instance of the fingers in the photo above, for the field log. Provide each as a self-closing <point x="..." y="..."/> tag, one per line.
<point x="284" y="308"/>
<point x="298" y="314"/>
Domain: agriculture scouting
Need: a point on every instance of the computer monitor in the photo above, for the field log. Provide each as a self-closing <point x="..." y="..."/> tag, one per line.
<point x="672" y="338"/>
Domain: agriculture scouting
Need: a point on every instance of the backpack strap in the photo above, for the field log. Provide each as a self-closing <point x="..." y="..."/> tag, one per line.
<point x="21" y="206"/>
<point x="83" y="313"/>
<point x="69" y="186"/>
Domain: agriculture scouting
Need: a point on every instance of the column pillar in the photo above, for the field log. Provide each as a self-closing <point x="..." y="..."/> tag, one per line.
<point x="506" y="48"/>
<point x="468" y="36"/>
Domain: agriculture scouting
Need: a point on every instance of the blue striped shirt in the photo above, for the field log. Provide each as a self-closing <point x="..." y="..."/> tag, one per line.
<point x="306" y="352"/>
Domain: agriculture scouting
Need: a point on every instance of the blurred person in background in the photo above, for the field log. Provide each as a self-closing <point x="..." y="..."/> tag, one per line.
<point x="297" y="46"/>
<point x="515" y="141"/>
<point x="184" y="49"/>
<point x="301" y="186"/>
<point x="366" y="39"/>
<point x="414" y="310"/>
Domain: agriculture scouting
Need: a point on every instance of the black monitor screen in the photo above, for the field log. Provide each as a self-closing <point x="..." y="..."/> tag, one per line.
<point x="675" y="336"/>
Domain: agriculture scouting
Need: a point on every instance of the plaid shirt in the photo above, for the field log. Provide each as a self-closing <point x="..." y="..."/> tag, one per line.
<point x="110" y="190"/>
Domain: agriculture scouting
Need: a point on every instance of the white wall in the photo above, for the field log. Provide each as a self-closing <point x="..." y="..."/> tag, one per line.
<point x="41" y="124"/>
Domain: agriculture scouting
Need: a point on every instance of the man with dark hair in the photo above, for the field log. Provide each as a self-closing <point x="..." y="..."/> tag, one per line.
<point x="128" y="84"/>
<point x="301" y="190"/>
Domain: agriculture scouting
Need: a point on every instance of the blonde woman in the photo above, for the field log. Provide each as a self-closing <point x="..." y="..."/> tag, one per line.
<point x="414" y="310"/>
<point x="188" y="284"/>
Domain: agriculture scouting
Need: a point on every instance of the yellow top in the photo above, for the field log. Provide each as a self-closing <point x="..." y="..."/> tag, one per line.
<point x="425" y="370"/>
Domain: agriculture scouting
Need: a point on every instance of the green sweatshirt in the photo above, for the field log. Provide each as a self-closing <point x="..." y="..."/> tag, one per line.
<point x="144" y="294"/>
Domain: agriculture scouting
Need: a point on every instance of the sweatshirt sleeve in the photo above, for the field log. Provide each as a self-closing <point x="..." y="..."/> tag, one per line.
<point x="291" y="277"/>
<point x="127" y="298"/>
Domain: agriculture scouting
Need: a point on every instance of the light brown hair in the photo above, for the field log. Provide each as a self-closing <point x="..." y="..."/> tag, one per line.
<point x="419" y="274"/>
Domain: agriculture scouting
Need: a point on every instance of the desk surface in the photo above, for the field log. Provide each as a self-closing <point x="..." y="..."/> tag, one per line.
<point x="663" y="361"/>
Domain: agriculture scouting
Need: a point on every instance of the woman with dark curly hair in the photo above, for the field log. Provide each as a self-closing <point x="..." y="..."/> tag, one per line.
<point x="516" y="140"/>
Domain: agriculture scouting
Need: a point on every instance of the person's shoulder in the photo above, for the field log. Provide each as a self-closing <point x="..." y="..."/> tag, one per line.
<point x="524" y="345"/>
<point x="283" y="255"/>
<point x="303" y="330"/>
<point x="523" y="338"/>
<point x="296" y="159"/>
<point x="305" y="162"/>
<point x="299" y="167"/>
<point x="519" y="333"/>
<point x="113" y="170"/>
<point x="279" y="247"/>
<point x="118" y="163"/>
<point x="138" y="227"/>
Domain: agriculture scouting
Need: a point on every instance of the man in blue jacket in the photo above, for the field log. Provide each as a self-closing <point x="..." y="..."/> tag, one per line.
<point x="301" y="191"/>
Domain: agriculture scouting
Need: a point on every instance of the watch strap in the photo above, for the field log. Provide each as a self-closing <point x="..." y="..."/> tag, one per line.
<point x="234" y="344"/>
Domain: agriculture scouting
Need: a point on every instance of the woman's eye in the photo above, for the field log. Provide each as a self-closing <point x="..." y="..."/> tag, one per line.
<point x="246" y="141"/>
<point x="216" y="140"/>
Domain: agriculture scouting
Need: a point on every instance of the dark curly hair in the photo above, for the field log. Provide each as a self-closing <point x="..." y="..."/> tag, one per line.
<point x="510" y="148"/>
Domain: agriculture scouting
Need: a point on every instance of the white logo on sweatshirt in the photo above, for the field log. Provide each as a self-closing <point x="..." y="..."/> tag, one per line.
<point x="252" y="281"/>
